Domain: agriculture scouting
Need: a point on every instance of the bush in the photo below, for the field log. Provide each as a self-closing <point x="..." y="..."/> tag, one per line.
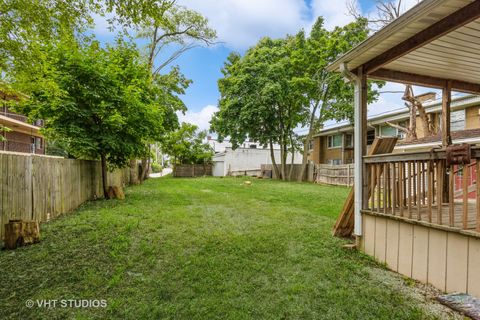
<point x="156" y="168"/>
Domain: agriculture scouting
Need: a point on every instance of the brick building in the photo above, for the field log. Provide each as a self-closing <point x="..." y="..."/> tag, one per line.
<point x="23" y="136"/>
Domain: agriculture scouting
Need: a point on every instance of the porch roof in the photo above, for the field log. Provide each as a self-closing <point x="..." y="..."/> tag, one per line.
<point x="20" y="126"/>
<point x="435" y="41"/>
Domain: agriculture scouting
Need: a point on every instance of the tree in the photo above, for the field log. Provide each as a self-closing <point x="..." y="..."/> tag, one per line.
<point x="329" y="97"/>
<point x="102" y="102"/>
<point x="169" y="25"/>
<point x="260" y="98"/>
<point x="27" y="25"/>
<point x="186" y="145"/>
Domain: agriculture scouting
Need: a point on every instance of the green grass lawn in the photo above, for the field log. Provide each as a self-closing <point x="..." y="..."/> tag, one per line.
<point x="205" y="248"/>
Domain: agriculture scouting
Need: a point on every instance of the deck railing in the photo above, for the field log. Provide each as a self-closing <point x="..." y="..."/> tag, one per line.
<point x="420" y="186"/>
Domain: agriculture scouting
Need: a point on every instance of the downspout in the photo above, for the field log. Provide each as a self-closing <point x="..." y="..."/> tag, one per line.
<point x="358" y="145"/>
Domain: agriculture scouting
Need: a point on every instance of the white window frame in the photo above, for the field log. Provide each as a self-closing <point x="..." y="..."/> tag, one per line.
<point x="336" y="147"/>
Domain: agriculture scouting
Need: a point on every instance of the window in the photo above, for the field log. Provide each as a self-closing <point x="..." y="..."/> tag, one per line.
<point x="335" y="162"/>
<point x="253" y="146"/>
<point x="334" y="141"/>
<point x="388" y="131"/>
<point x="38" y="143"/>
<point x="370" y="136"/>
<point x="348" y="140"/>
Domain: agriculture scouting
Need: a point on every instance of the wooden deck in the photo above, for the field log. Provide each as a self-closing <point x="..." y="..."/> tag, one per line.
<point x="422" y="214"/>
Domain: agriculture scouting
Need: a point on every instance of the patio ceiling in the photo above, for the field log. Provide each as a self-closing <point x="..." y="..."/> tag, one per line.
<point x="435" y="41"/>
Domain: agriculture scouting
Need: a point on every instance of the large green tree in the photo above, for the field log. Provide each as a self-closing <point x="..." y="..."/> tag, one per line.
<point x="30" y="28"/>
<point x="261" y="98"/>
<point x="102" y="102"/>
<point x="187" y="145"/>
<point x="329" y="97"/>
<point x="170" y="30"/>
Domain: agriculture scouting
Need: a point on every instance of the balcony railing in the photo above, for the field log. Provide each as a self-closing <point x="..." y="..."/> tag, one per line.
<point x="419" y="186"/>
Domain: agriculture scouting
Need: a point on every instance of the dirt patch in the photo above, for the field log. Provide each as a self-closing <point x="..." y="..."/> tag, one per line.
<point x="423" y="294"/>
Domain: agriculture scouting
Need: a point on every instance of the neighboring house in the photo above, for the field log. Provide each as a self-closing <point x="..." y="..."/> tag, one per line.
<point x="334" y="145"/>
<point x="246" y="161"/>
<point x="219" y="147"/>
<point x="23" y="136"/>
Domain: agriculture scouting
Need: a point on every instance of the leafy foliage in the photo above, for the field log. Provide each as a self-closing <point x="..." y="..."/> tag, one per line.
<point x="280" y="85"/>
<point x="102" y="102"/>
<point x="186" y="145"/>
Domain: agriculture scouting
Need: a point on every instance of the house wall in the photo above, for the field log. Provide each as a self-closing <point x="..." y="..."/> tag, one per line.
<point x="246" y="159"/>
<point x="326" y="154"/>
<point x="322" y="154"/>
<point x="20" y="142"/>
<point x="445" y="259"/>
<point x="472" y="117"/>
<point x="314" y="154"/>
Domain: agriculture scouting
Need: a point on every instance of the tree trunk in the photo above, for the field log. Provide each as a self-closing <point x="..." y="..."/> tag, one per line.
<point x="311" y="130"/>
<point x="305" y="156"/>
<point x="104" y="176"/>
<point x="144" y="170"/>
<point x="427" y="127"/>
<point x="134" y="172"/>
<point x="412" y="135"/>
<point x="292" y="161"/>
<point x="282" y="160"/>
<point x="145" y="166"/>
<point x="274" y="162"/>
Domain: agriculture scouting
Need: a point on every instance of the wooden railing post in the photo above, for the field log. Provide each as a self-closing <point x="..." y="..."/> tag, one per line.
<point x="451" y="197"/>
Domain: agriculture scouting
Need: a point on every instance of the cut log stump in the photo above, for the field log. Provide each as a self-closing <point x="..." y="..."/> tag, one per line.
<point x="116" y="192"/>
<point x="20" y="233"/>
<point x="119" y="192"/>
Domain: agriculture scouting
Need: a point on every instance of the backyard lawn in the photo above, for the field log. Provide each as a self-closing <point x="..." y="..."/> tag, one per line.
<point x="206" y="248"/>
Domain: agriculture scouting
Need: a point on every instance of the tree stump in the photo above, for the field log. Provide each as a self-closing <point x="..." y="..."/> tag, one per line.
<point x="116" y="192"/>
<point x="111" y="193"/>
<point x="119" y="192"/>
<point x="19" y="233"/>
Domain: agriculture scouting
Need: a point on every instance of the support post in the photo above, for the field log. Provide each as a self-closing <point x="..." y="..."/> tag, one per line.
<point x="360" y="138"/>
<point x="446" y="101"/>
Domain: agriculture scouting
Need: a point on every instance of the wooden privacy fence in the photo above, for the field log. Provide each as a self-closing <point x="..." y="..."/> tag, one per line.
<point x="334" y="174"/>
<point x="341" y="175"/>
<point x="35" y="187"/>
<point x="192" y="170"/>
<point x="309" y="173"/>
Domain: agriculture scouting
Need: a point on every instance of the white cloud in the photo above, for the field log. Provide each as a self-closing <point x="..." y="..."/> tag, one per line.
<point x="200" y="118"/>
<point x="241" y="23"/>
<point x="334" y="12"/>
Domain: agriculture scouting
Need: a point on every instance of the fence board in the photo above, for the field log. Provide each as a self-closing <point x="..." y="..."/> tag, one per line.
<point x="192" y="170"/>
<point x="41" y="188"/>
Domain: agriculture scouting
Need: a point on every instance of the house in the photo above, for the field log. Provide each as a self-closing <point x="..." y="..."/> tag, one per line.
<point x="334" y="145"/>
<point x="22" y="136"/>
<point x="406" y="210"/>
<point x="246" y="161"/>
<point x="221" y="146"/>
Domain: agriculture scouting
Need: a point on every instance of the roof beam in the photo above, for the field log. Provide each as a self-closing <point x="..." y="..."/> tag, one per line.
<point x="435" y="31"/>
<point x="426" y="81"/>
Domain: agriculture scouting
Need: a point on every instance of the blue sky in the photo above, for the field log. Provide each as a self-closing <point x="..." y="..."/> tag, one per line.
<point x="239" y="25"/>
